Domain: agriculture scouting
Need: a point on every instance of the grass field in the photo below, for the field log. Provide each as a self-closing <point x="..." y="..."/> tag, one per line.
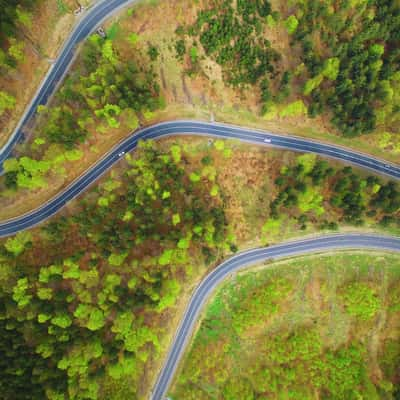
<point x="324" y="326"/>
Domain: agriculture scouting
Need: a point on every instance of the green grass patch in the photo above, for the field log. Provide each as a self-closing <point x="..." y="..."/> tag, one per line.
<point x="296" y="330"/>
<point x="62" y="7"/>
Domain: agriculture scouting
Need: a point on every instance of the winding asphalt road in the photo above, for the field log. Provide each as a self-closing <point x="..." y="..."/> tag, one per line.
<point x="242" y="260"/>
<point x="90" y="20"/>
<point x="175" y="128"/>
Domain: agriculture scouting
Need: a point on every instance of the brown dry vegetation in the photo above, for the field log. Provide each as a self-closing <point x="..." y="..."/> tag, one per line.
<point x="246" y="178"/>
<point x="206" y="92"/>
<point x="200" y="96"/>
<point x="43" y="39"/>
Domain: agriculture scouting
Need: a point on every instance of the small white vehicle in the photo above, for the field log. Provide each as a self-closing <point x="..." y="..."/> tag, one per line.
<point x="267" y="140"/>
<point x="121" y="154"/>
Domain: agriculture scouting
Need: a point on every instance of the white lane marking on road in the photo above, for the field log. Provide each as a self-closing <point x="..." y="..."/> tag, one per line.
<point x="233" y="264"/>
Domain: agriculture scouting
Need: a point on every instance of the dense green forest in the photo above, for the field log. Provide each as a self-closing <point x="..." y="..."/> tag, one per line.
<point x="105" y="91"/>
<point x="300" y="330"/>
<point x="83" y="297"/>
<point x="11" y="12"/>
<point x="349" y="56"/>
<point x="86" y="296"/>
<point x="307" y="184"/>
<point x="234" y="38"/>
<point x="313" y="191"/>
<point x="361" y="55"/>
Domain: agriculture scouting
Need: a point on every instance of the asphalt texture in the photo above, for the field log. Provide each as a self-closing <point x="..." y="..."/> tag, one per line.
<point x="241" y="261"/>
<point x="193" y="128"/>
<point x="88" y="23"/>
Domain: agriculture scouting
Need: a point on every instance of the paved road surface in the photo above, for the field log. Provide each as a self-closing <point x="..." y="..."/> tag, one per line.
<point x="89" y="22"/>
<point x="240" y="261"/>
<point x="193" y="128"/>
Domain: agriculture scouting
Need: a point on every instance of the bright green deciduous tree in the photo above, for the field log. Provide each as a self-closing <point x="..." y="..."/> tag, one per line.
<point x="331" y="68"/>
<point x="16" y="244"/>
<point x="96" y="320"/>
<point x="176" y="219"/>
<point x="291" y="24"/>
<point x="238" y="388"/>
<point x="194" y="177"/>
<point x="20" y="295"/>
<point x="176" y="153"/>
<point x="7" y="102"/>
<point x="107" y="51"/>
<point x="110" y="112"/>
<point x="44" y="293"/>
<point x="307" y="161"/>
<point x="312" y="84"/>
<point x="170" y="292"/>
<point x="122" y="324"/>
<point x="62" y="320"/>
<point x="376" y="50"/>
<point x="16" y="50"/>
<point x="139" y="337"/>
<point x="219" y="144"/>
<point x="294" y="109"/>
<point x="166" y="257"/>
<point x="24" y="17"/>
<point x="117" y="259"/>
<point x="133" y="38"/>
